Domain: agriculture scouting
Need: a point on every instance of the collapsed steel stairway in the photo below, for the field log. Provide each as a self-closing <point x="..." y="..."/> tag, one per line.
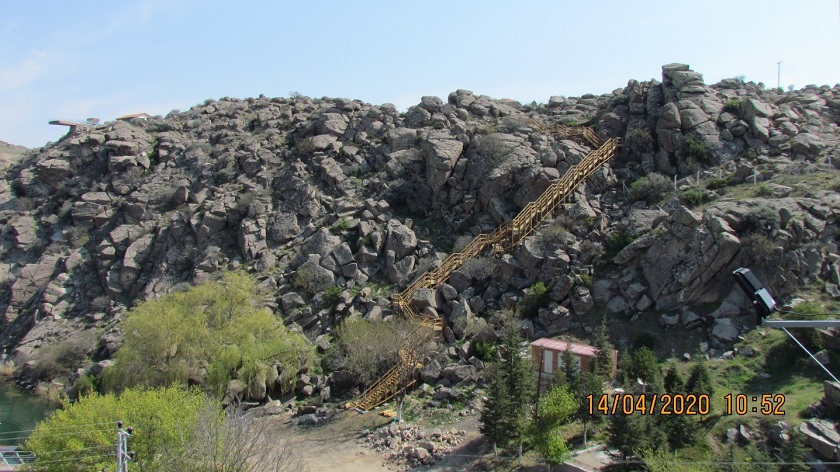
<point x="502" y="239"/>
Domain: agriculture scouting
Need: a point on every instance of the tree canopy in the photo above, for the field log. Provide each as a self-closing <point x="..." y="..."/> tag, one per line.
<point x="81" y="436"/>
<point x="173" y="429"/>
<point x="555" y="409"/>
<point x="504" y="417"/>
<point x="210" y="334"/>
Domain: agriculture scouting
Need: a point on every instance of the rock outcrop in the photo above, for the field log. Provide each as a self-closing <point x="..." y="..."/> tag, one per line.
<point x="319" y="193"/>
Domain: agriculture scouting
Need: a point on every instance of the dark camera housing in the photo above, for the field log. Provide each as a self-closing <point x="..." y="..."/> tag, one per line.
<point x="760" y="296"/>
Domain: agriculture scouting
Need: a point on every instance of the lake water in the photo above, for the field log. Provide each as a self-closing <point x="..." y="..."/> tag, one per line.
<point x="19" y="413"/>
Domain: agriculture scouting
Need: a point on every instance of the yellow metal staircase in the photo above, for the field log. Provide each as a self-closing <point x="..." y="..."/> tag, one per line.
<point x="502" y="239"/>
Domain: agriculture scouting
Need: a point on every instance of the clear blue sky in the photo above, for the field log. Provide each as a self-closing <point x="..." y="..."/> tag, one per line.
<point x="79" y="59"/>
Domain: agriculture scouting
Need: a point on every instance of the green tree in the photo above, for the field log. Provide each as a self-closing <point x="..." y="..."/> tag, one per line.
<point x="741" y="459"/>
<point x="626" y="433"/>
<point x="700" y="380"/>
<point x="571" y="371"/>
<point x="673" y="381"/>
<point x="589" y="384"/>
<point x="160" y="418"/>
<point x="174" y="429"/>
<point x="213" y="331"/>
<point x="603" y="364"/>
<point x="521" y="380"/>
<point x="791" y="451"/>
<point x="680" y="429"/>
<point x="635" y="434"/>
<point x="555" y="408"/>
<point x="493" y="414"/>
<point x="645" y="366"/>
<point x="515" y="372"/>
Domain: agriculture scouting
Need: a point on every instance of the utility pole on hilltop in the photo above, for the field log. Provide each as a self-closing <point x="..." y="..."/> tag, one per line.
<point x="779" y="75"/>
<point x="123" y="454"/>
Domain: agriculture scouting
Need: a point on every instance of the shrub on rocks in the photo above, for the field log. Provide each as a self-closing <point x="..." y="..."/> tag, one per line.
<point x="762" y="219"/>
<point x="732" y="106"/>
<point x="651" y="188"/>
<point x="537" y="297"/>
<point x="697" y="150"/>
<point x="639" y="140"/>
<point x="693" y="197"/>
<point x="760" y="249"/>
<point x="59" y="358"/>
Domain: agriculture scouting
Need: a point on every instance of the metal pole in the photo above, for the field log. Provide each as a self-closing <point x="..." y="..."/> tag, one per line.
<point x="779" y="75"/>
<point x="812" y="356"/>
<point x="801" y="323"/>
<point x="122" y="447"/>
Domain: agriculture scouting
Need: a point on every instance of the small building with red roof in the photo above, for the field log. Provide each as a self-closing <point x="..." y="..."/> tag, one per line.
<point x="547" y="355"/>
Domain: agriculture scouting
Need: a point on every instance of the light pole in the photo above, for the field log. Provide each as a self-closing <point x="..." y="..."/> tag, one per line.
<point x="765" y="305"/>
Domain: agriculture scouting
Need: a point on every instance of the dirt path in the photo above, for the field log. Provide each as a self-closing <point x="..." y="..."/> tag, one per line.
<point x="336" y="446"/>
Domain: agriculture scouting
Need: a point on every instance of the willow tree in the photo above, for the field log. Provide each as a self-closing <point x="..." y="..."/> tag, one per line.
<point x="209" y="334"/>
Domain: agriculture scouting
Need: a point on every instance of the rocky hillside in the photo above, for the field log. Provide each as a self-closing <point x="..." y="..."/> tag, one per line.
<point x="9" y="154"/>
<point x="314" y="193"/>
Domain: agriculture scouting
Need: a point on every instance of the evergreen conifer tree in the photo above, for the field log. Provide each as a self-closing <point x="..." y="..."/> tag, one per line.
<point x="504" y="417"/>
<point x="791" y="451"/>
<point x="571" y="372"/>
<point x="700" y="380"/>
<point x="673" y="381"/>
<point x="602" y="365"/>
<point x="681" y="429"/>
<point x="626" y="434"/>
<point x="492" y="419"/>
<point x="645" y="366"/>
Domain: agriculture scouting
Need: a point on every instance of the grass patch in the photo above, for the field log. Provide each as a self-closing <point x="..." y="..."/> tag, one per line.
<point x="341" y="225"/>
<point x="733" y="106"/>
<point x="717" y="183"/>
<point x="804" y="184"/>
<point x="616" y="241"/>
<point x="779" y="368"/>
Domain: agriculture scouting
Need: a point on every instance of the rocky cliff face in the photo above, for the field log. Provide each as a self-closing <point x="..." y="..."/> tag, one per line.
<point x="9" y="154"/>
<point x="313" y="193"/>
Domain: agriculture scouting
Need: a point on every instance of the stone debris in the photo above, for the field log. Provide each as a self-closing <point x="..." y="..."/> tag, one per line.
<point x="408" y="446"/>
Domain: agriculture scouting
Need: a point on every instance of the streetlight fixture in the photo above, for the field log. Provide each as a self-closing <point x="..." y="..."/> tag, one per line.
<point x="765" y="305"/>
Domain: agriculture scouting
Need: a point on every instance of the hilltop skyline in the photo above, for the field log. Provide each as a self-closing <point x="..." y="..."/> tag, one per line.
<point x="64" y="62"/>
